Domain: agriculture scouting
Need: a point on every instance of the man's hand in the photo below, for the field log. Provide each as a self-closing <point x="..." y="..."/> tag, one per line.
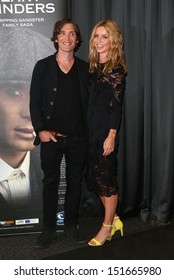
<point x="46" y="136"/>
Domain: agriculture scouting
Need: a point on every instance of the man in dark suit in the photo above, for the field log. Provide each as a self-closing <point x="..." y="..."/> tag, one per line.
<point x="58" y="106"/>
<point x="20" y="172"/>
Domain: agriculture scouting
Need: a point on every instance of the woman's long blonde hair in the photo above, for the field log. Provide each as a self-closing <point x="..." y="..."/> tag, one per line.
<point x="115" y="54"/>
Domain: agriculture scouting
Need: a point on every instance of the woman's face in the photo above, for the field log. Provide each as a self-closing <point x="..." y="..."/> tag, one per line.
<point x="102" y="41"/>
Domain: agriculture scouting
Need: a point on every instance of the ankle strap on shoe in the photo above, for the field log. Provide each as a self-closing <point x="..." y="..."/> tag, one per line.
<point x="105" y="225"/>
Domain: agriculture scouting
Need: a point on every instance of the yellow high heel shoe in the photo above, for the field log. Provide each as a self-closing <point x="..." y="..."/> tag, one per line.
<point x="98" y="243"/>
<point x="117" y="225"/>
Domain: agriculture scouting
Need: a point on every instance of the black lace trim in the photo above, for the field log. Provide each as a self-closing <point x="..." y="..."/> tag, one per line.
<point x="115" y="79"/>
<point x="100" y="178"/>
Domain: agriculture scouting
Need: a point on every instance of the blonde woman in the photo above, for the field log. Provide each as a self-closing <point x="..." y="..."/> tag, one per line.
<point x="106" y="88"/>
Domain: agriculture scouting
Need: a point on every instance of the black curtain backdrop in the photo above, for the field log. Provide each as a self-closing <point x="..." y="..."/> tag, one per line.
<point x="146" y="151"/>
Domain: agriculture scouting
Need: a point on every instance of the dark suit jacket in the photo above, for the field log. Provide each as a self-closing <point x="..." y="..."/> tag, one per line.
<point x="33" y="209"/>
<point x="45" y="86"/>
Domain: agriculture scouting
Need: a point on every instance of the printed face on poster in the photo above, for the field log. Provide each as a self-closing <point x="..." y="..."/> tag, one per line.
<point x="25" y="31"/>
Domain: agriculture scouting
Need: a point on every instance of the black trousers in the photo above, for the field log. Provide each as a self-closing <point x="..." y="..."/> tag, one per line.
<point x="74" y="150"/>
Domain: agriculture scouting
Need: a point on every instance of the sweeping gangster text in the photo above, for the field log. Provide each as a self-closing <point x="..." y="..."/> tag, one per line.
<point x="8" y="7"/>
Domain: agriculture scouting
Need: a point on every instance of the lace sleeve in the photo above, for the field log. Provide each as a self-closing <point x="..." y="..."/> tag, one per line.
<point x="118" y="82"/>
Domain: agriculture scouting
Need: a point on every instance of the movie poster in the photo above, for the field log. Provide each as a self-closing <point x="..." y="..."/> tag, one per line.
<point x="25" y="31"/>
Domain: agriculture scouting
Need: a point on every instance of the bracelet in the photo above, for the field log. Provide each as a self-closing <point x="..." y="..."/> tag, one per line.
<point x="113" y="131"/>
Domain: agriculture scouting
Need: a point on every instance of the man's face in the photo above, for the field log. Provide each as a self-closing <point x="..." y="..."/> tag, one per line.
<point x="16" y="131"/>
<point x="67" y="38"/>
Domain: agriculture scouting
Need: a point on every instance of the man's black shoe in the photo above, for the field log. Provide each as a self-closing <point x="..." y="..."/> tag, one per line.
<point x="74" y="233"/>
<point x="45" y="239"/>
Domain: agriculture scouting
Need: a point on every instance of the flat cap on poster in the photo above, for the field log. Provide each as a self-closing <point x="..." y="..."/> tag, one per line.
<point x="20" y="49"/>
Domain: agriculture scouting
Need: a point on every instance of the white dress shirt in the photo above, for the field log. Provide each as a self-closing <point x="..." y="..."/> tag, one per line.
<point x="14" y="183"/>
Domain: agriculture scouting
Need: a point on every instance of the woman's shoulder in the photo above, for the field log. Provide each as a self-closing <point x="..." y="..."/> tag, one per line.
<point x="118" y="69"/>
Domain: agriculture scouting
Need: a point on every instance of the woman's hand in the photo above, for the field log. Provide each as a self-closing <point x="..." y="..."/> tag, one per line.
<point x="109" y="143"/>
<point x="46" y="136"/>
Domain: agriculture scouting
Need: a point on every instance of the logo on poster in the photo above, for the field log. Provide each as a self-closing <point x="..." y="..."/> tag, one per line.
<point x="60" y="218"/>
<point x="25" y="6"/>
<point x="6" y="223"/>
<point x="27" y="221"/>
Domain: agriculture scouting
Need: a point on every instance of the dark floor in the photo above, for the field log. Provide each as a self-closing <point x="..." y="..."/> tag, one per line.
<point x="153" y="244"/>
<point x="141" y="241"/>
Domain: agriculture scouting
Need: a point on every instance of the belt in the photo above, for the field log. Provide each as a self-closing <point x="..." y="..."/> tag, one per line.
<point x="57" y="134"/>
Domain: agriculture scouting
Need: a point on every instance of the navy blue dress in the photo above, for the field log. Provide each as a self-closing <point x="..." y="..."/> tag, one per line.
<point x="104" y="113"/>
